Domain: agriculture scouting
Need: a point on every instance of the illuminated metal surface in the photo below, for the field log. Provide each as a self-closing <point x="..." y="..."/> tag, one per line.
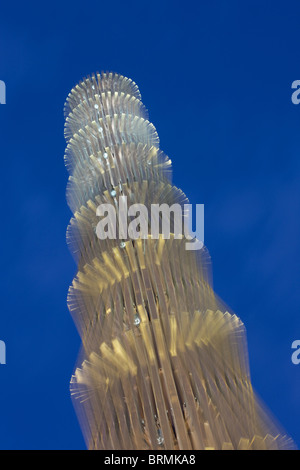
<point x="163" y="363"/>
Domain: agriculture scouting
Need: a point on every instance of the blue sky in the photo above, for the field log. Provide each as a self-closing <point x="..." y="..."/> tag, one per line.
<point x="216" y="77"/>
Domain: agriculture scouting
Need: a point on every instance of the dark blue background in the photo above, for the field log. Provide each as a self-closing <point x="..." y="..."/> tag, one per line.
<point x="216" y="77"/>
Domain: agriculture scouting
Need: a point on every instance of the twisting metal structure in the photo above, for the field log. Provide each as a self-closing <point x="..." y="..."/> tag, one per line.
<point x="163" y="363"/>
